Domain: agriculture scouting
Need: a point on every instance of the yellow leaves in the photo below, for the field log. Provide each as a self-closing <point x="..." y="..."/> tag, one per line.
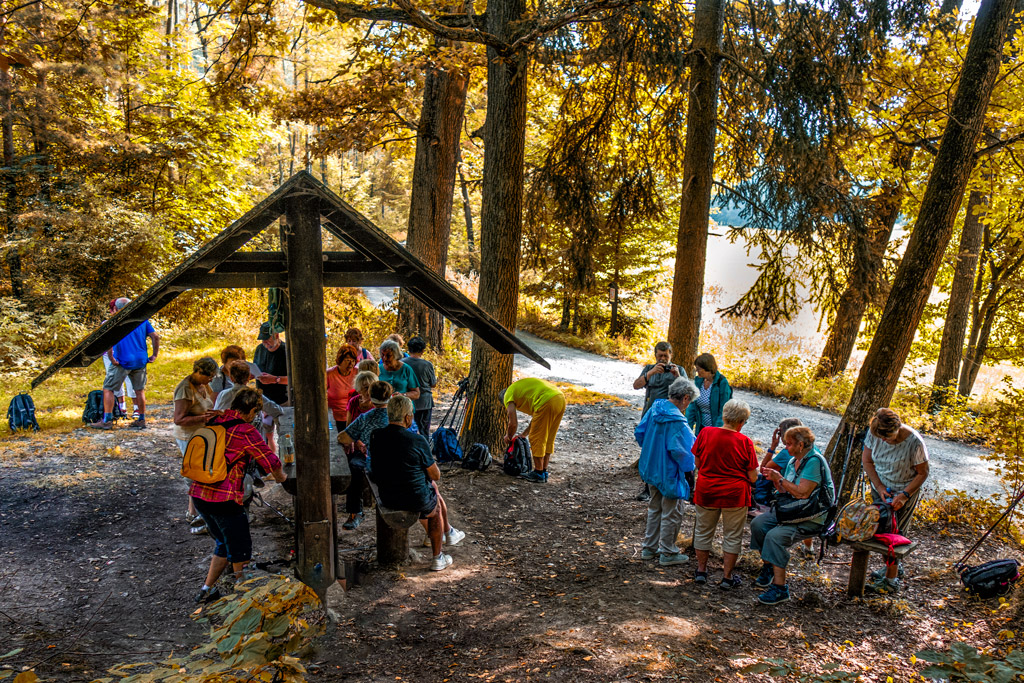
<point x="26" y="677"/>
<point x="1006" y="634"/>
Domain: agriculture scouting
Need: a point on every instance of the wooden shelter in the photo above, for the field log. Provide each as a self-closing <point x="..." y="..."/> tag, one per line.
<point x="303" y="269"/>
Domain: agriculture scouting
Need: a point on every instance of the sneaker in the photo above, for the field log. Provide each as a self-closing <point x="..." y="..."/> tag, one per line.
<point x="353" y="522"/>
<point x="138" y="424"/>
<point x="198" y="527"/>
<point x="135" y="413"/>
<point x="646" y="554"/>
<point x="208" y="595"/>
<point x="764" y="578"/>
<point x="100" y="424"/>
<point x="700" y="577"/>
<point x="880" y="573"/>
<point x="669" y="559"/>
<point x="732" y="582"/>
<point x="454" y="536"/>
<point x="883" y="586"/>
<point x="441" y="562"/>
<point x="774" y="595"/>
<point x="644" y="494"/>
<point x="536" y="476"/>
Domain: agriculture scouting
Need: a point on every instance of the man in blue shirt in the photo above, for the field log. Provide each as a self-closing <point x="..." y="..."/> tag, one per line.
<point x="128" y="360"/>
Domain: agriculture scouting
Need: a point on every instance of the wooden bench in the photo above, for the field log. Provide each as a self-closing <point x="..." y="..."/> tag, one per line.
<point x="859" y="566"/>
<point x="392" y="531"/>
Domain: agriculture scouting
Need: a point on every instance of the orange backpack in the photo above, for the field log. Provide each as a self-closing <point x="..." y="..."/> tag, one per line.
<point x="204" y="461"/>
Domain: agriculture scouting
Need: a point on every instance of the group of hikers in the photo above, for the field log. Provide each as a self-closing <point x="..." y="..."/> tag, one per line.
<point x="690" y="435"/>
<point x="693" y="450"/>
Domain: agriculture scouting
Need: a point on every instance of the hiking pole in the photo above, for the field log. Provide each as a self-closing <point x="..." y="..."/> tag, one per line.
<point x="258" y="498"/>
<point x="981" y="540"/>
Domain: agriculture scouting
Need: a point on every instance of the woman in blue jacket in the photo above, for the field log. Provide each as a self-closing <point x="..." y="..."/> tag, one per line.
<point x="715" y="392"/>
<point x="665" y="457"/>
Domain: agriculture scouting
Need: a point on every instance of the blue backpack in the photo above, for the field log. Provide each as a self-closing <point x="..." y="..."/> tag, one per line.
<point x="446" y="446"/>
<point x="21" y="413"/>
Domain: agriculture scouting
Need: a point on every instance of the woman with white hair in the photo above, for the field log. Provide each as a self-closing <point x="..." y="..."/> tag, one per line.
<point x="396" y="373"/>
<point x="726" y="467"/>
<point x="665" y="459"/>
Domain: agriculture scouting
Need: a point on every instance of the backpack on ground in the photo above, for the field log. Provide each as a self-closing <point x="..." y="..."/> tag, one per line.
<point x="991" y="579"/>
<point x="478" y="458"/>
<point x="860" y="521"/>
<point x="93" y="411"/>
<point x="518" y="459"/>
<point x="446" y="446"/>
<point x="21" y="413"/>
<point x="204" y="460"/>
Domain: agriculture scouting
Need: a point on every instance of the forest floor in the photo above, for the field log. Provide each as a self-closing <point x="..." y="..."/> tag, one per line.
<point x="98" y="568"/>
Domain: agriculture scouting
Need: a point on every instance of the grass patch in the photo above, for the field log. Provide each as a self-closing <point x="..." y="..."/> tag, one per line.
<point x="580" y="396"/>
<point x="64" y="481"/>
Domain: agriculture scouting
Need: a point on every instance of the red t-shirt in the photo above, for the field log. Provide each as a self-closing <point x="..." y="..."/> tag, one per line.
<point x="723" y="459"/>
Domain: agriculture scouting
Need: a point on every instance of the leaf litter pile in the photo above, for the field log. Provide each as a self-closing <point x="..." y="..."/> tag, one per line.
<point x="100" y="571"/>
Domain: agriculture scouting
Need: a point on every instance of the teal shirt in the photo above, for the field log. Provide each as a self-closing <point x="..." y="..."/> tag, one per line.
<point x="401" y="381"/>
<point x="811" y="471"/>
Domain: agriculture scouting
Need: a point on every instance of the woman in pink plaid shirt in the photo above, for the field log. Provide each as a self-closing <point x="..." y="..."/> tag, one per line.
<point x="220" y="503"/>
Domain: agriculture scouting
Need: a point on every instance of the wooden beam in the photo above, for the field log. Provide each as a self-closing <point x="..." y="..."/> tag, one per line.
<point x="266" y="280"/>
<point x="307" y="352"/>
<point x="274" y="262"/>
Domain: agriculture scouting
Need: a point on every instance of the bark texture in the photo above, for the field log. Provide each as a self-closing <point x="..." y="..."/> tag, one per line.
<point x="501" y="221"/>
<point x="433" y="186"/>
<point x="698" y="174"/>
<point x="934" y="226"/>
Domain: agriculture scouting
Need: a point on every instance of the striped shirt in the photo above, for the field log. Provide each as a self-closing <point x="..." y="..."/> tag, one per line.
<point x="244" y="444"/>
<point x="895" y="463"/>
<point x="704" y="404"/>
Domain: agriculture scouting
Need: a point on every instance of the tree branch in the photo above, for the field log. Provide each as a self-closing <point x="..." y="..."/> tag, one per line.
<point x="584" y="13"/>
<point x="996" y="146"/>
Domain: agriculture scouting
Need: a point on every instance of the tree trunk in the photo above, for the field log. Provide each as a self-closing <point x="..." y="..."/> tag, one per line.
<point x="976" y="353"/>
<point x="959" y="307"/>
<point x="698" y="173"/>
<point x="10" y="188"/>
<point x="501" y="220"/>
<point x="566" y="312"/>
<point x="934" y="226"/>
<point x="467" y="210"/>
<point x="865" y="275"/>
<point x="433" y="187"/>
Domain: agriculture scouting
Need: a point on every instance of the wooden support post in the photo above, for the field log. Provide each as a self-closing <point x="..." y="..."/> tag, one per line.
<point x="308" y="358"/>
<point x="858" y="573"/>
<point x="392" y="543"/>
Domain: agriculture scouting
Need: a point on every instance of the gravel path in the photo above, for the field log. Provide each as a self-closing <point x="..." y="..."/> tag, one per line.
<point x="953" y="465"/>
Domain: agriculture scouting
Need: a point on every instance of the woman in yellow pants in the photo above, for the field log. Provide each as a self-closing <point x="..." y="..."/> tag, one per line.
<point x="546" y="404"/>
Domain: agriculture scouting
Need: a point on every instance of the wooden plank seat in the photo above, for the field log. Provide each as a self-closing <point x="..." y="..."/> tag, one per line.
<point x="859" y="566"/>
<point x="392" y="530"/>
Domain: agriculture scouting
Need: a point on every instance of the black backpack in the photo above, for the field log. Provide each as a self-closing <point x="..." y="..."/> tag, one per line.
<point x="991" y="579"/>
<point x="21" y="413"/>
<point x="94" y="408"/>
<point x="478" y="458"/>
<point x="518" y="460"/>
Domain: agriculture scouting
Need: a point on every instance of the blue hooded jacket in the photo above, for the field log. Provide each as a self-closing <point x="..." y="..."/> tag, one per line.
<point x="665" y="442"/>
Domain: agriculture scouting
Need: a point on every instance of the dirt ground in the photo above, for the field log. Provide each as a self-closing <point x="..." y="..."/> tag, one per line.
<point x="98" y="568"/>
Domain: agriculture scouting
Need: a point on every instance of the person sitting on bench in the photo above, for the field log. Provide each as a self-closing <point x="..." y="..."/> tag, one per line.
<point x="406" y="476"/>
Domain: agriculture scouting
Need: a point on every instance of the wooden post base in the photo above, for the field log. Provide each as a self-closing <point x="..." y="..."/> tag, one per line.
<point x="858" y="573"/>
<point x="392" y="543"/>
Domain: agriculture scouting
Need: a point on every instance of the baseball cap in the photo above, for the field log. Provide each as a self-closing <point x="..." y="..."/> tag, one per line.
<point x="264" y="332"/>
<point x="121" y="303"/>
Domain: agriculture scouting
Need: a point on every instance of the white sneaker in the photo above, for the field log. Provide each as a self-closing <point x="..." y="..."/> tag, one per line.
<point x="454" y="536"/>
<point x="426" y="541"/>
<point x="441" y="562"/>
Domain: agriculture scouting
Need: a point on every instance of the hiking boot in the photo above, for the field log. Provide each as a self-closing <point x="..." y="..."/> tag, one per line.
<point x="883" y="586"/>
<point x="765" y="576"/>
<point x="536" y="476"/>
<point x="880" y="573"/>
<point x="208" y="595"/>
<point x="454" y="536"/>
<point x="732" y="582"/>
<point x="441" y="562"/>
<point x="646" y="554"/>
<point x="138" y="424"/>
<point x="774" y="595"/>
<point x="644" y="494"/>
<point x="353" y="522"/>
<point x="669" y="559"/>
<point x="100" y="424"/>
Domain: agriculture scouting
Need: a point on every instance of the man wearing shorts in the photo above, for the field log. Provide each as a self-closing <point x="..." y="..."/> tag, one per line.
<point x="406" y="476"/>
<point x="128" y="360"/>
<point x="546" y="404"/>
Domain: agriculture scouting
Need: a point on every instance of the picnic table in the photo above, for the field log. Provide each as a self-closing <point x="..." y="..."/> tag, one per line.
<point x="341" y="475"/>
